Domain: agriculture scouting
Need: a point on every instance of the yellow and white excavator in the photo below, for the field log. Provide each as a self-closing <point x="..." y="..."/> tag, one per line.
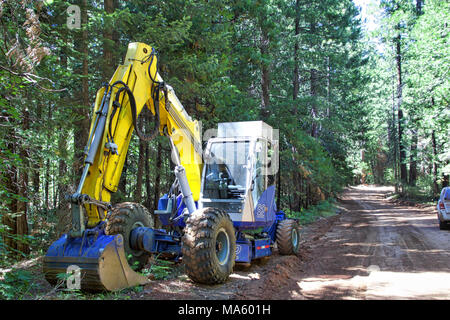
<point x="220" y="210"/>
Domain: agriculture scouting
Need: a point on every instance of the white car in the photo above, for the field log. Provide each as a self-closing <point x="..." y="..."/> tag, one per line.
<point x="443" y="209"/>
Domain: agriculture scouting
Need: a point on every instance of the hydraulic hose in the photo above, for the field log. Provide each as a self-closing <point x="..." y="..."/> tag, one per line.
<point x="116" y="104"/>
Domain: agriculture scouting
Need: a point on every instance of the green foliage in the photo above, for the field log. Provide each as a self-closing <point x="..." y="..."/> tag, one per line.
<point x="423" y="191"/>
<point x="159" y="269"/>
<point x="325" y="208"/>
<point x="15" y="284"/>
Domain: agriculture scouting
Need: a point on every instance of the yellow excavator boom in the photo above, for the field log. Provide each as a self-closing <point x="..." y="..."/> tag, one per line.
<point x="138" y="73"/>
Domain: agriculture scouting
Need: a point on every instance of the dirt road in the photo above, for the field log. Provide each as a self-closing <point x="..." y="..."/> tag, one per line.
<point x="373" y="249"/>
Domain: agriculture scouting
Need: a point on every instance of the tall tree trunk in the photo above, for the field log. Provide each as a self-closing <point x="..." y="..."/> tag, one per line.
<point x="413" y="159"/>
<point x="148" y="199"/>
<point x="62" y="146"/>
<point x="265" y="75"/>
<point x="62" y="167"/>
<point x="21" y="220"/>
<point x="81" y="125"/>
<point x="47" y="164"/>
<point x="47" y="186"/>
<point x="296" y="196"/>
<point x="12" y="182"/>
<point x="37" y="164"/>
<point x="394" y="138"/>
<point x="296" y="75"/>
<point x="313" y="92"/>
<point x="435" y="164"/>
<point x="295" y="204"/>
<point x="8" y="177"/>
<point x="328" y="87"/>
<point x="279" y="188"/>
<point x="313" y="84"/>
<point x="401" y="143"/>
<point x="8" y="218"/>
<point x="445" y="177"/>
<point x="108" y="42"/>
<point x="414" y="138"/>
<point x="158" y="176"/>
<point x="140" y="171"/>
<point x="122" y="187"/>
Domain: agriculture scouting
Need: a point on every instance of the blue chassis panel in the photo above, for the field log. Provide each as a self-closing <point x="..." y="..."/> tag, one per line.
<point x="248" y="250"/>
<point x="158" y="241"/>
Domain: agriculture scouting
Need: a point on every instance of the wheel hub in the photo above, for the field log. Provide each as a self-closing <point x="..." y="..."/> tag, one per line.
<point x="222" y="246"/>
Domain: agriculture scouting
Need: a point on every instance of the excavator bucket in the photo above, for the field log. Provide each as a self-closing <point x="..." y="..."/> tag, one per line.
<point x="99" y="258"/>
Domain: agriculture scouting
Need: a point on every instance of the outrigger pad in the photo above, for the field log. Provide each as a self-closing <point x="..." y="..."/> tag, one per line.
<point x="100" y="259"/>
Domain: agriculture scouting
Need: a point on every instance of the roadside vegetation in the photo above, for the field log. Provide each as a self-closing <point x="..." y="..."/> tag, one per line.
<point x="323" y="209"/>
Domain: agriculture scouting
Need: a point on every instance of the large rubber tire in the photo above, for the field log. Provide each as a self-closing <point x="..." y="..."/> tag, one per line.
<point x="288" y="237"/>
<point x="122" y="220"/>
<point x="209" y="246"/>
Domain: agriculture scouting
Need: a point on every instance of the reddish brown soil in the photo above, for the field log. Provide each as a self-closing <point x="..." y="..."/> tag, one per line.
<point x="372" y="249"/>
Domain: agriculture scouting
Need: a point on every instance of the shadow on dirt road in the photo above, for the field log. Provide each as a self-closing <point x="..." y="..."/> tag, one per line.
<point x="374" y="249"/>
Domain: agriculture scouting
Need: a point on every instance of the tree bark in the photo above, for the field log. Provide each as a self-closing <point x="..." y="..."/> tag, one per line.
<point x="14" y="217"/>
<point x="435" y="164"/>
<point x="47" y="165"/>
<point x="313" y="93"/>
<point x="265" y="75"/>
<point x="81" y="125"/>
<point x="445" y="178"/>
<point x="47" y="186"/>
<point x="414" y="138"/>
<point x="8" y="218"/>
<point x="62" y="146"/>
<point x="296" y="75"/>
<point x="21" y="220"/>
<point x="158" y="176"/>
<point x="148" y="199"/>
<point x="402" y="160"/>
<point x="122" y="187"/>
<point x="108" y="43"/>
<point x="394" y="138"/>
<point x="140" y="171"/>
<point x="295" y="204"/>
<point x="413" y="159"/>
<point x="62" y="167"/>
<point x="37" y="165"/>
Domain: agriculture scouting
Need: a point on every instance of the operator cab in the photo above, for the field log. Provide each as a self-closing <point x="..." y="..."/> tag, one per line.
<point x="226" y="169"/>
<point x="239" y="170"/>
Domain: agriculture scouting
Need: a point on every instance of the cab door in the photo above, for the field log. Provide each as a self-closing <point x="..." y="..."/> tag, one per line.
<point x="263" y="195"/>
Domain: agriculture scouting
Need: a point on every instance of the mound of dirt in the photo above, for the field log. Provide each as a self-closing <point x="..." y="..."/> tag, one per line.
<point x="276" y="274"/>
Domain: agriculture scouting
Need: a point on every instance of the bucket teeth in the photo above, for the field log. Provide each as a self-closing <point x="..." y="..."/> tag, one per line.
<point x="101" y="261"/>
